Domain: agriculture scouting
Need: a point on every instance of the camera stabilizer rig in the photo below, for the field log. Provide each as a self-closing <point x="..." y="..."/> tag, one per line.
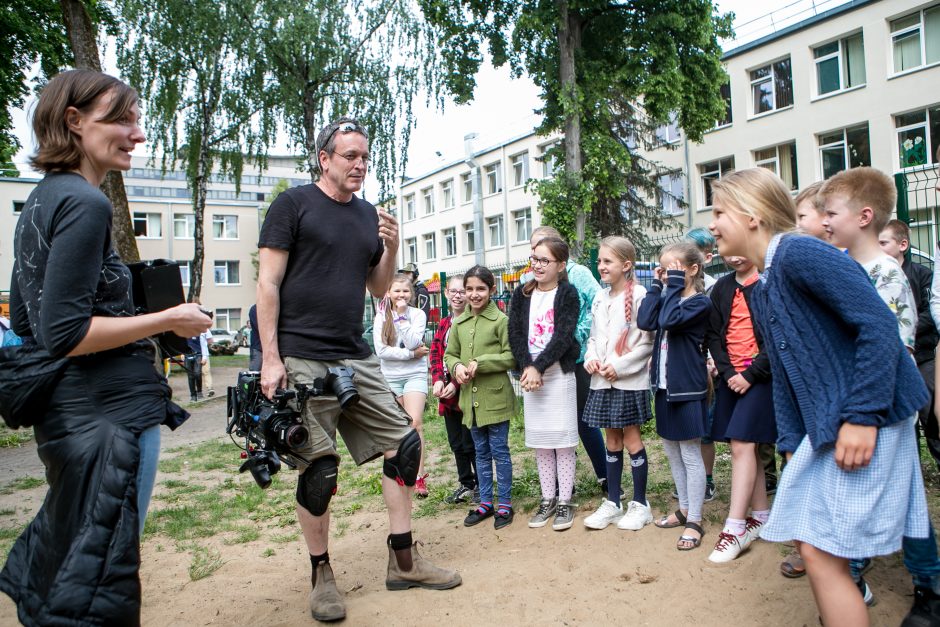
<point x="274" y="429"/>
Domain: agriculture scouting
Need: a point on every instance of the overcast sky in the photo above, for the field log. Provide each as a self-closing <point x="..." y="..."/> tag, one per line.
<point x="504" y="107"/>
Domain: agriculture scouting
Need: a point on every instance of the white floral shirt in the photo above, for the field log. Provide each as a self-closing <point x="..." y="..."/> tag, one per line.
<point x="895" y="290"/>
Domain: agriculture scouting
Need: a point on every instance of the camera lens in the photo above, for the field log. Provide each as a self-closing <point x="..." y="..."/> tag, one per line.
<point x="296" y="436"/>
<point x="348" y="397"/>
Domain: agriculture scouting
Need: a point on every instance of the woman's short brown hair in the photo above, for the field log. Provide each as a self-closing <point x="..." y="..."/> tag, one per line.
<point x="58" y="147"/>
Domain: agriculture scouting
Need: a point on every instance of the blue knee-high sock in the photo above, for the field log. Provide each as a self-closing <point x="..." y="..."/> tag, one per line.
<point x="614" y="472"/>
<point x="640" y="469"/>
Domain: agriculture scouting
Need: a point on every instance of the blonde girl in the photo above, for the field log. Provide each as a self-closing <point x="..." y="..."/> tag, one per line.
<point x="846" y="394"/>
<point x="398" y="335"/>
<point x="619" y="401"/>
<point x="677" y="310"/>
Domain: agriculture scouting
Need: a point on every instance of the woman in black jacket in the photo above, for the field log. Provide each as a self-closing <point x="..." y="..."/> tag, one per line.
<point x="77" y="562"/>
<point x="542" y="323"/>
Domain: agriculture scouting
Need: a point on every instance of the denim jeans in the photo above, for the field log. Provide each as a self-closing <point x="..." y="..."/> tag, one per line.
<point x="492" y="444"/>
<point x="147" y="470"/>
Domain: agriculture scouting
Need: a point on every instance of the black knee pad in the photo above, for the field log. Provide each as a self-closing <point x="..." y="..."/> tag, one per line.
<point x="317" y="485"/>
<point x="403" y="468"/>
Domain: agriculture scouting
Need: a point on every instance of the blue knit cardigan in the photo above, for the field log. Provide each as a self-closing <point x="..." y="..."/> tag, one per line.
<point x="835" y="351"/>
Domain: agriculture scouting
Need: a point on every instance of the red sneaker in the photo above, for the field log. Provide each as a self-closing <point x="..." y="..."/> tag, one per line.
<point x="421" y="488"/>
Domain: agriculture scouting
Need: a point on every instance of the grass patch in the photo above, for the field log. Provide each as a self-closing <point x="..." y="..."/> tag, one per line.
<point x="244" y="535"/>
<point x="10" y="438"/>
<point x="205" y="562"/>
<point x="8" y="511"/>
<point x="22" y="483"/>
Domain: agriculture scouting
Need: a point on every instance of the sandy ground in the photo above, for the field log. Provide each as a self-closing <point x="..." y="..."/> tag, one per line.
<point x="518" y="576"/>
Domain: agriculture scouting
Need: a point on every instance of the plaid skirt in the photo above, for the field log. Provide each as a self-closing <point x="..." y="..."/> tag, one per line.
<point x="614" y="409"/>
<point x="852" y="514"/>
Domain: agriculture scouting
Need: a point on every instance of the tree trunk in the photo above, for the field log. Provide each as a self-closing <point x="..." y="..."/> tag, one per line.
<point x="203" y="166"/>
<point x="569" y="42"/>
<point x="84" y="45"/>
<point x="310" y="135"/>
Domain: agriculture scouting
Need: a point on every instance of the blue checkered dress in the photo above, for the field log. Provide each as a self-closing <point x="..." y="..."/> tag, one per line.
<point x="856" y="514"/>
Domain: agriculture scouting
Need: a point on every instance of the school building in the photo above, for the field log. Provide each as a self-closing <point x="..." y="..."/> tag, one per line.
<point x="162" y="212"/>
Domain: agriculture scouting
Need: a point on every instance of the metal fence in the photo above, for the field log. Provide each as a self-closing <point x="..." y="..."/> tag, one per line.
<point x="919" y="207"/>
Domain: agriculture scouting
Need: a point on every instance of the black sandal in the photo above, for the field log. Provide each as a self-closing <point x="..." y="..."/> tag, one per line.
<point x="663" y="523"/>
<point x="696" y="542"/>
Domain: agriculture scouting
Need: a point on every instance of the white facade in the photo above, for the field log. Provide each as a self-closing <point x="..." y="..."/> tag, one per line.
<point x="857" y="85"/>
<point x="443" y="229"/>
<point x="161" y="208"/>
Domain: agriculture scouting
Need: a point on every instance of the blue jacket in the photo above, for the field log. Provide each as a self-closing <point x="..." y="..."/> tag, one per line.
<point x="686" y="321"/>
<point x="835" y="352"/>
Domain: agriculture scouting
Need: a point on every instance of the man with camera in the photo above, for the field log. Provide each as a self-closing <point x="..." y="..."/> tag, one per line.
<point x="320" y="248"/>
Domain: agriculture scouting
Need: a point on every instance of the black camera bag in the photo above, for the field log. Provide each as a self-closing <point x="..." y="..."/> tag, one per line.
<point x="28" y="376"/>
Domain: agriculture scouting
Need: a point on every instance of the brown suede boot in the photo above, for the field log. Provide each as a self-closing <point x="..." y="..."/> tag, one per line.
<point x="326" y="603"/>
<point x="423" y="574"/>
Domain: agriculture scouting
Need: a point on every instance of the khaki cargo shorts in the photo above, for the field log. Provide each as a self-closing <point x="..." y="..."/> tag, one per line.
<point x="377" y="423"/>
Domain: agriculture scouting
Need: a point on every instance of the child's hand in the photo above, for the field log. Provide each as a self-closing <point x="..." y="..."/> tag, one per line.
<point x="608" y="372"/>
<point x="676" y="265"/>
<point x="449" y="391"/>
<point x="472" y="369"/>
<point x="738" y="384"/>
<point x="660" y="273"/>
<point x="460" y="374"/>
<point x="531" y="379"/>
<point x="712" y="368"/>
<point x="855" y="446"/>
<point x="437" y="389"/>
<point x="421" y="351"/>
<point x="592" y="366"/>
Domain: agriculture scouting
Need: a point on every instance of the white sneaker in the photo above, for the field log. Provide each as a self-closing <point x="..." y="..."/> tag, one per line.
<point x="752" y="529"/>
<point x="607" y="513"/>
<point x="729" y="546"/>
<point x="638" y="516"/>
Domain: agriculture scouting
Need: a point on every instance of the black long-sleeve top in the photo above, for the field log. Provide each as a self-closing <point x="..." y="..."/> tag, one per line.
<point x="722" y="297"/>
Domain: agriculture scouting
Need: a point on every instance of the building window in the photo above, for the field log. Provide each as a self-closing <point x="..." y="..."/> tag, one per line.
<point x="840" y="64"/>
<point x="147" y="225"/>
<point x="466" y="184"/>
<point x="427" y="199"/>
<point x="671" y="193"/>
<point x="18" y="206"/>
<point x="447" y="194"/>
<point x="549" y="159"/>
<point x="186" y="271"/>
<point x="184" y="225"/>
<point x="224" y="227"/>
<point x="410" y="207"/>
<point x="491" y="178"/>
<point x="520" y="169"/>
<point x="772" y="87"/>
<point x="918" y="136"/>
<point x="470" y="237"/>
<point x="915" y="39"/>
<point x="226" y="273"/>
<point x="495" y="227"/>
<point x="523" y="220"/>
<point x="411" y="246"/>
<point x="725" y="92"/>
<point x="430" y="246"/>
<point x="450" y="242"/>
<point x="781" y="160"/>
<point x="668" y="133"/>
<point x="228" y="319"/>
<point x="711" y="172"/>
<point x="847" y="148"/>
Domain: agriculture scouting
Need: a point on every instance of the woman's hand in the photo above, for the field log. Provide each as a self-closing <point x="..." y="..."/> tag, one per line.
<point x="437" y="389"/>
<point x="187" y="320"/>
<point x="855" y="446"/>
<point x="738" y="384"/>
<point x="460" y="374"/>
<point x="592" y="366"/>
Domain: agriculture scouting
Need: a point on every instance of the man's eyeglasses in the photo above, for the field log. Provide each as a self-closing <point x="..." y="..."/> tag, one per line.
<point x="345" y="127"/>
<point x="540" y="262"/>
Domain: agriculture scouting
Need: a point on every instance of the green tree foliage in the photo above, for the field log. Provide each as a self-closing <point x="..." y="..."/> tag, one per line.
<point x="609" y="72"/>
<point x="206" y="93"/>
<point x="368" y="59"/>
<point x="30" y="32"/>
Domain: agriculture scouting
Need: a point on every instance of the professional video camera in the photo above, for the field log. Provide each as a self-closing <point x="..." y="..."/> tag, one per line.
<point x="274" y="429"/>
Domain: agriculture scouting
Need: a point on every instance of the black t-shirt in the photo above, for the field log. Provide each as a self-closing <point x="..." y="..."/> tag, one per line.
<point x="332" y="247"/>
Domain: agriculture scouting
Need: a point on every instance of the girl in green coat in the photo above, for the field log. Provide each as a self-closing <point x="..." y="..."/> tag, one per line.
<point x="478" y="355"/>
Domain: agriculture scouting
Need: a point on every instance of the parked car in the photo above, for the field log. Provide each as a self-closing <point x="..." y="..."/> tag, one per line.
<point x="223" y="342"/>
